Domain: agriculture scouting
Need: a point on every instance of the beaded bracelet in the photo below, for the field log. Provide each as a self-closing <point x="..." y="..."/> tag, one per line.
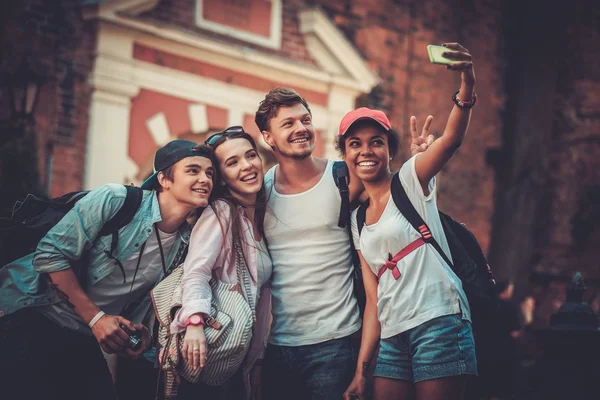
<point x="465" y="105"/>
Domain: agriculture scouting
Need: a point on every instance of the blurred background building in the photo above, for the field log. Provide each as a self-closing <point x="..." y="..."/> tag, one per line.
<point x="113" y="80"/>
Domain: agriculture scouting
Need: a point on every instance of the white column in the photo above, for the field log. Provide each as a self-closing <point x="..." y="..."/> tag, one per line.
<point x="235" y="116"/>
<point x="340" y="100"/>
<point x="107" y="153"/>
<point x="108" y="139"/>
<point x="198" y="118"/>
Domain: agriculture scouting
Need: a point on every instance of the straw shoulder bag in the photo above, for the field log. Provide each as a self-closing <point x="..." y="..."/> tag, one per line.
<point x="228" y="329"/>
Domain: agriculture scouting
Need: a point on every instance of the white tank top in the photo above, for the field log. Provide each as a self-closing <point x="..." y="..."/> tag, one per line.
<point x="312" y="286"/>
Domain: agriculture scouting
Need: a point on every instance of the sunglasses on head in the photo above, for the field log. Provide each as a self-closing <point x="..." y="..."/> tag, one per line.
<point x="216" y="136"/>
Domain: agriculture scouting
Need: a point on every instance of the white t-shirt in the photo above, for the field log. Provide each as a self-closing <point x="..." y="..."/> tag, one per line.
<point x="312" y="287"/>
<point x="427" y="287"/>
<point x="110" y="294"/>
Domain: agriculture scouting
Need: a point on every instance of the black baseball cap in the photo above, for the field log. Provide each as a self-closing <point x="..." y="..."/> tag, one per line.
<point x="171" y="153"/>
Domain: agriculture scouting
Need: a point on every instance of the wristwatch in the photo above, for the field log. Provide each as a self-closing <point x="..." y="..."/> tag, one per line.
<point x="195" y="320"/>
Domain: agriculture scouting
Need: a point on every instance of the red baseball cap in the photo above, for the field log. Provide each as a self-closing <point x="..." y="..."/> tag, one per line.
<point x="363" y="113"/>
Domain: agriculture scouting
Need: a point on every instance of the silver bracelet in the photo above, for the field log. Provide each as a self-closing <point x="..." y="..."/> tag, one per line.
<point x="96" y="318"/>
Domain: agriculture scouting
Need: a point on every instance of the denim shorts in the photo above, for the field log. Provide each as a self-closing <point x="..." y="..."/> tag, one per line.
<point x="435" y="349"/>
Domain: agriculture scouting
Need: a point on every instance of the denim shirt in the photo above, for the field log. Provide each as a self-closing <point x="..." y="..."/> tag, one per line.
<point x="24" y="282"/>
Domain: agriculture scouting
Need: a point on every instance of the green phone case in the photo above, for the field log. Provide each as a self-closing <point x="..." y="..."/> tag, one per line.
<point x="435" y="55"/>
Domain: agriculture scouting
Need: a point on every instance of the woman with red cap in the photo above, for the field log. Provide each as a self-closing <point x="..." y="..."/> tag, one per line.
<point x="416" y="307"/>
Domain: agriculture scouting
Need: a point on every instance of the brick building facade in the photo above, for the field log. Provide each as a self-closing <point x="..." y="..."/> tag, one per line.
<point x="126" y="76"/>
<point x="60" y="46"/>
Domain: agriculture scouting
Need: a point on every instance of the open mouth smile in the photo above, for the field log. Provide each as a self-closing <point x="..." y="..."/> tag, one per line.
<point x="250" y="177"/>
<point x="299" y="140"/>
<point x="367" y="164"/>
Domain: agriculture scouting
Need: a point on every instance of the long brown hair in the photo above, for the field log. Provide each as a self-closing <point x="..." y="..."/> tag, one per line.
<point x="222" y="192"/>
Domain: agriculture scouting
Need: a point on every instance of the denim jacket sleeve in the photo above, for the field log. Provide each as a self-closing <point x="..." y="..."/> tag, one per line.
<point x="78" y="229"/>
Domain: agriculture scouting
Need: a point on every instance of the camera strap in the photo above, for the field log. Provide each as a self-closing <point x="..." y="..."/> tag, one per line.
<point x="137" y="267"/>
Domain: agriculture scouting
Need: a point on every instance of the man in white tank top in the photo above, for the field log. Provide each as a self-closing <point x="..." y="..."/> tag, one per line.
<point x="312" y="348"/>
<point x="310" y="352"/>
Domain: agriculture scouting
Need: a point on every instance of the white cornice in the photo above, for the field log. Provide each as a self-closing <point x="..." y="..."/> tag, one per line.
<point x="134" y="7"/>
<point x="242" y="64"/>
<point x="359" y="79"/>
<point x="130" y="7"/>
<point x="314" y="22"/>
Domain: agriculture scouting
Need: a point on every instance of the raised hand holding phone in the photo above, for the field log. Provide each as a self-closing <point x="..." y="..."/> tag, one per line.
<point x="461" y="60"/>
<point x="441" y="150"/>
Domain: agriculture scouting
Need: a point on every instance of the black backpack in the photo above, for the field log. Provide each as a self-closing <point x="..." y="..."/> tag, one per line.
<point x="33" y="217"/>
<point x="341" y="176"/>
<point x="469" y="264"/>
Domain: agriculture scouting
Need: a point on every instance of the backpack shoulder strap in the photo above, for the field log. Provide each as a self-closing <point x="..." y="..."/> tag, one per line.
<point x="409" y="212"/>
<point x="404" y="204"/>
<point x="133" y="199"/>
<point x="125" y="213"/>
<point x="132" y="202"/>
<point x="361" y="215"/>
<point x="341" y="177"/>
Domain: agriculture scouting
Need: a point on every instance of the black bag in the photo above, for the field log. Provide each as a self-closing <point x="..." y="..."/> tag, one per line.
<point x="33" y="217"/>
<point x="341" y="176"/>
<point x="469" y="264"/>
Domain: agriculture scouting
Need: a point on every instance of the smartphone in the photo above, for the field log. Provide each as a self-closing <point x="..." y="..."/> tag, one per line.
<point x="435" y="55"/>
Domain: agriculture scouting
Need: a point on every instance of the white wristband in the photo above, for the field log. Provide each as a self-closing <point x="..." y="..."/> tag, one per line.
<point x="96" y="318"/>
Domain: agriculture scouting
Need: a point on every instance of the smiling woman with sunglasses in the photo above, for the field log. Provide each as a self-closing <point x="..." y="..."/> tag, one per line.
<point x="233" y="220"/>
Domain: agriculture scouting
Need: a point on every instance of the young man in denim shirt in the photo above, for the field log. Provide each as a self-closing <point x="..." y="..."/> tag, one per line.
<point x="51" y="329"/>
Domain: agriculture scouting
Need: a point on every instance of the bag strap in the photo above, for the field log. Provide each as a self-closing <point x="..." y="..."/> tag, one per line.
<point x="341" y="177"/>
<point x="361" y="215"/>
<point x="242" y="274"/>
<point x="392" y="262"/>
<point x="409" y="212"/>
<point x="132" y="202"/>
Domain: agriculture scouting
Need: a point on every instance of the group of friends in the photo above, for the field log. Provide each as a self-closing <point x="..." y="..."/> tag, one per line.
<point x="309" y="341"/>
